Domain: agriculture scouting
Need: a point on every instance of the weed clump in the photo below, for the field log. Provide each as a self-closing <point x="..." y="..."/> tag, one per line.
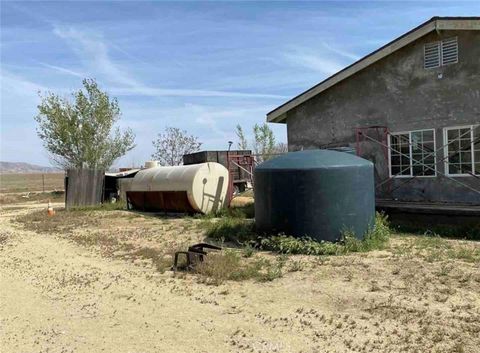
<point x="229" y="265"/>
<point x="242" y="231"/>
<point x="375" y="239"/>
<point x="434" y="248"/>
<point x="237" y="230"/>
<point x="162" y="260"/>
<point x="243" y="212"/>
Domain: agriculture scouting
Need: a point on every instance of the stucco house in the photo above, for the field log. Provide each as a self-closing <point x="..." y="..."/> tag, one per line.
<point x="412" y="107"/>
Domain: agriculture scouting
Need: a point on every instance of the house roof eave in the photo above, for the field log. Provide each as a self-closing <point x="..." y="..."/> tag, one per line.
<point x="279" y="114"/>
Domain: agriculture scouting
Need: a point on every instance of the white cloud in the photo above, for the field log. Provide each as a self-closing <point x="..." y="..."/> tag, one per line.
<point x="16" y="85"/>
<point x="93" y="50"/>
<point x="341" y="52"/>
<point x="142" y="90"/>
<point x="314" y="62"/>
<point x="64" y="70"/>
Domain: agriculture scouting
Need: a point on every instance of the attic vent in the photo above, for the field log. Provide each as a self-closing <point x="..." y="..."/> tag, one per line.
<point x="441" y="53"/>
<point x="449" y="51"/>
<point x="432" y="55"/>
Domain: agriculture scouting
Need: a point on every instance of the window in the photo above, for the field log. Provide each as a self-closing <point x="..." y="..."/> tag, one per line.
<point x="400" y="155"/>
<point x="440" y="53"/>
<point x="462" y="148"/>
<point x="412" y="154"/>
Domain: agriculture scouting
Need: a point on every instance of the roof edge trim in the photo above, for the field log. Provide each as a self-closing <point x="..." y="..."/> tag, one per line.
<point x="279" y="114"/>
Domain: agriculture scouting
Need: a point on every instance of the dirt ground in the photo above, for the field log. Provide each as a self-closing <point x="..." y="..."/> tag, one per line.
<point x="62" y="292"/>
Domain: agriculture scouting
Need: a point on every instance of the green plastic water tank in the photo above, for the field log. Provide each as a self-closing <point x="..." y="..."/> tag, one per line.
<point x="315" y="193"/>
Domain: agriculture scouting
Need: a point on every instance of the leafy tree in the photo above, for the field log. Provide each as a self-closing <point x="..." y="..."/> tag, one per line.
<point x="80" y="133"/>
<point x="264" y="144"/>
<point x="172" y="144"/>
<point x="242" y="141"/>
<point x="280" y="148"/>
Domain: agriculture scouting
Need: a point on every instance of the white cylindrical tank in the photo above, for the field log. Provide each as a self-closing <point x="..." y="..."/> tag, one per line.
<point x="203" y="186"/>
<point x="151" y="164"/>
<point x="124" y="185"/>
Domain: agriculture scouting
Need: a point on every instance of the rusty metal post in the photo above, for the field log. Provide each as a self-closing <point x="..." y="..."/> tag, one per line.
<point x="230" y="177"/>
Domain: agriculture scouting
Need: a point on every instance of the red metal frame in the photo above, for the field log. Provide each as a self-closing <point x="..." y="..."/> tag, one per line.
<point x="246" y="162"/>
<point x="382" y="136"/>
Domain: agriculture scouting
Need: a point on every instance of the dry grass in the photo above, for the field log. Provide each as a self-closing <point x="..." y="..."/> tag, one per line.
<point x="4" y="236"/>
<point x="18" y="182"/>
<point x="37" y="197"/>
<point x="63" y="222"/>
<point x="229" y="265"/>
<point x="436" y="249"/>
<point x="116" y="233"/>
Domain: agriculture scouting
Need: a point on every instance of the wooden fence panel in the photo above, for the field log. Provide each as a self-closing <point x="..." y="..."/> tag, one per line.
<point x="84" y="187"/>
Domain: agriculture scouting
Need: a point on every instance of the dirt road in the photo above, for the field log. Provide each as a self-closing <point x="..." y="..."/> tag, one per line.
<point x="57" y="296"/>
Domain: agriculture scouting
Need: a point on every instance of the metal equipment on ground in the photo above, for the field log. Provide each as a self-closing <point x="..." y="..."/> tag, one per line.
<point x="194" y="255"/>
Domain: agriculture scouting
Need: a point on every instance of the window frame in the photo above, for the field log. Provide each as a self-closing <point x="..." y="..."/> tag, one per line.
<point x="472" y="149"/>
<point x="410" y="154"/>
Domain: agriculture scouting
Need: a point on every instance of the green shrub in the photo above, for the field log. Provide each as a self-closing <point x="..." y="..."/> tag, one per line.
<point x="236" y="230"/>
<point x="247" y="211"/>
<point x="291" y="245"/>
<point x="248" y="250"/>
<point x="242" y="231"/>
<point x="376" y="238"/>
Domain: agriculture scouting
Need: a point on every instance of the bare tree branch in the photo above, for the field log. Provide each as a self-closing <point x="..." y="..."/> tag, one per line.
<point x="172" y="144"/>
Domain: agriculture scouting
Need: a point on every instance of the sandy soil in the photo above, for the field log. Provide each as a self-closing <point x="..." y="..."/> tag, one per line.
<point x="58" y="296"/>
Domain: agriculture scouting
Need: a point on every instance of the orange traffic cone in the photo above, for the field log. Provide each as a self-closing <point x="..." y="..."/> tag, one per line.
<point x="50" y="210"/>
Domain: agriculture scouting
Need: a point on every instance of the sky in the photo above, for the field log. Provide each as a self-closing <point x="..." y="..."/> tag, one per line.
<point x="201" y="66"/>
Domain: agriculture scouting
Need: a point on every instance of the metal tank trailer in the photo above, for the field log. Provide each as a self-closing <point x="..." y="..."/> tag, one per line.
<point x="315" y="193"/>
<point x="189" y="188"/>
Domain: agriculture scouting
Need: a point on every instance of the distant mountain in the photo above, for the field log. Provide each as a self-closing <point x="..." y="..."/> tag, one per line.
<point x="20" y="167"/>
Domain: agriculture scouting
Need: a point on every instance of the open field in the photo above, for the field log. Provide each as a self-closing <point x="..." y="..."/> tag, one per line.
<point x="38" y="197"/>
<point x="100" y="280"/>
<point x="24" y="182"/>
